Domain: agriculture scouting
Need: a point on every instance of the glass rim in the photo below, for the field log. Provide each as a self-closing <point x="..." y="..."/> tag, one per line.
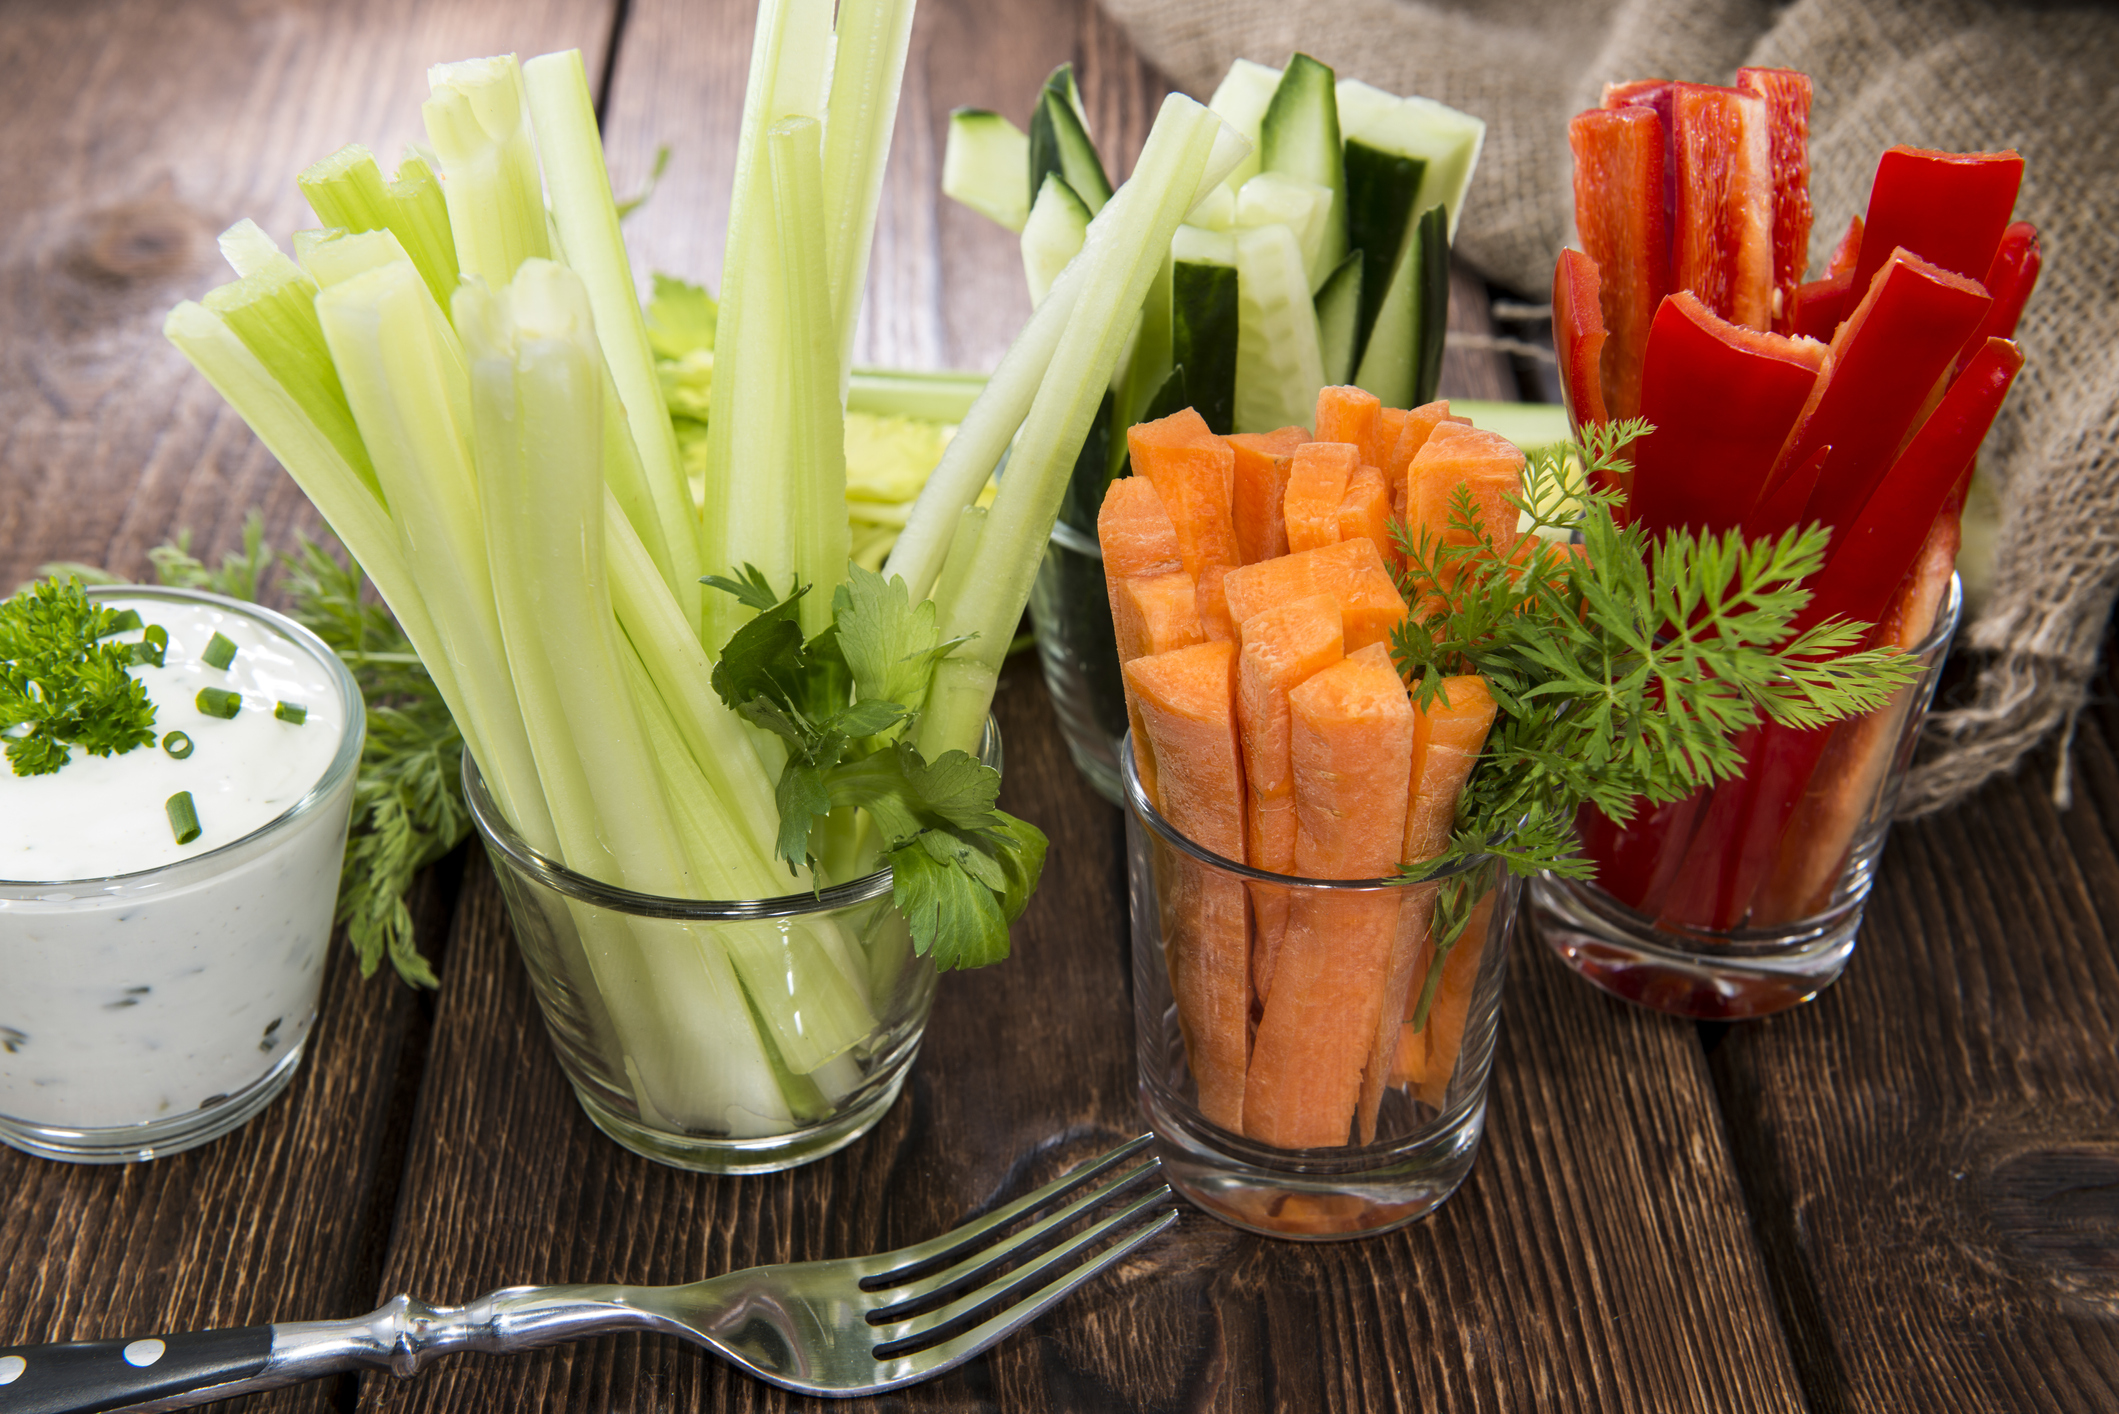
<point x="1946" y="617"/>
<point x="342" y="765"/>
<point x="1137" y="798"/>
<point x="499" y="834"/>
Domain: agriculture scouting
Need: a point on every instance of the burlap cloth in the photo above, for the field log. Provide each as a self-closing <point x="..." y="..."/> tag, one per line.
<point x="1949" y="74"/>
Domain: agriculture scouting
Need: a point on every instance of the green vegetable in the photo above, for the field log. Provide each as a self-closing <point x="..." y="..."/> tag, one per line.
<point x="983" y="165"/>
<point x="219" y="702"/>
<point x="962" y="869"/>
<point x="291" y="712"/>
<point x="177" y="745"/>
<point x="220" y="651"/>
<point x="61" y="685"/>
<point x="183" y="817"/>
<point x="1625" y="672"/>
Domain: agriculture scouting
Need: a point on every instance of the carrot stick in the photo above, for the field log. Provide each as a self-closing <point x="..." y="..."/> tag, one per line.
<point x="1419" y="423"/>
<point x="1349" y="414"/>
<point x="1261" y="487"/>
<point x="1350" y="571"/>
<point x="1487" y="465"/>
<point x="1317" y="477"/>
<point x="1440" y="1041"/>
<point x="1283" y="647"/>
<point x="1350" y="744"/>
<point x="1139" y="542"/>
<point x="1188" y="708"/>
<point x="1365" y="511"/>
<point x="1195" y="473"/>
<point x="1447" y="739"/>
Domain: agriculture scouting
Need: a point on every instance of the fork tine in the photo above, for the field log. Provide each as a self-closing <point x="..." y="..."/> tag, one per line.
<point x="1001" y="1293"/>
<point x="975" y="1268"/>
<point x="899" y="1362"/>
<point x="909" y="1262"/>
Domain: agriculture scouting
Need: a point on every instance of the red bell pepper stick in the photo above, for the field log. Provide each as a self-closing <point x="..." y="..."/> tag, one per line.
<point x="1847" y="254"/>
<point x="1823" y="305"/>
<point x="1883" y="363"/>
<point x="1947" y="208"/>
<point x="1722" y="244"/>
<point x="1637" y="862"/>
<point x="1653" y="94"/>
<point x="1723" y="399"/>
<point x="1578" y="327"/>
<point x="1787" y="95"/>
<point x="2010" y="280"/>
<point x="1619" y="211"/>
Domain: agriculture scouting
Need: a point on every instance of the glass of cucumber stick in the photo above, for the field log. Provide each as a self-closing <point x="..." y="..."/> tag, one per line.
<point x="1319" y="1120"/>
<point x="1323" y="259"/>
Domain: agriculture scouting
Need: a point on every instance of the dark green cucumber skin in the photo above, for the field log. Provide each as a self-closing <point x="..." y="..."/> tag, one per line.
<point x="1380" y="187"/>
<point x="1339" y="318"/>
<point x="1059" y="143"/>
<point x="1203" y="340"/>
<point x="1430" y="328"/>
<point x="1299" y="135"/>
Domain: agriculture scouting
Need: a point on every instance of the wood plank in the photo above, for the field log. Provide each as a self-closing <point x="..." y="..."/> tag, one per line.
<point x="1931" y="1148"/>
<point x="130" y="134"/>
<point x="1604" y="1207"/>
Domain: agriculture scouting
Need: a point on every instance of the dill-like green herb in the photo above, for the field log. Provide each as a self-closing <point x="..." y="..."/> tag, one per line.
<point x="61" y="685"/>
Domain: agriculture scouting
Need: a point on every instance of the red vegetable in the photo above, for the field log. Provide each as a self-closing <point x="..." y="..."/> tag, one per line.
<point x="1619" y="162"/>
<point x="1578" y="324"/>
<point x="1950" y="209"/>
<point x="1722" y="243"/>
<point x="1787" y="95"/>
<point x="2009" y="280"/>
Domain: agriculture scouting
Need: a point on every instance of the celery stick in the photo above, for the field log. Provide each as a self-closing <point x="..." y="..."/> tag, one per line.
<point x="346" y="190"/>
<point x="563" y="116"/>
<point x="406" y="382"/>
<point x="272" y="309"/>
<point x="935" y="397"/>
<point x="971" y="523"/>
<point x="1117" y="266"/>
<point x="476" y="122"/>
<point x="868" y="65"/>
<point x="816" y="428"/>
<point x="992" y="421"/>
<point x="746" y="515"/>
<point x="333" y="257"/>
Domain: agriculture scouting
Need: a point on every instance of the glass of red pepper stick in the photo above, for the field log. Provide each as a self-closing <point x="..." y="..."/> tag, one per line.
<point x="1856" y="402"/>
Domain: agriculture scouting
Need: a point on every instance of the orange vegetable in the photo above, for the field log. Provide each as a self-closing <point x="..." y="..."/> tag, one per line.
<point x="1447" y="740"/>
<point x="1188" y="708"/>
<point x="1489" y="466"/>
<point x="1350" y="571"/>
<point x="1194" y="472"/>
<point x="1261" y="487"/>
<point x="1427" y="1058"/>
<point x="1140" y="545"/>
<point x="1283" y="647"/>
<point x="1349" y="414"/>
<point x="1134" y="531"/>
<point x="1317" y="477"/>
<point x="1365" y="510"/>
<point x="1350" y="744"/>
<point x="1419" y="423"/>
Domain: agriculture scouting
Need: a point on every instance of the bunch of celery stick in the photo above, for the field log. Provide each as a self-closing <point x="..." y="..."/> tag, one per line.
<point x="457" y="372"/>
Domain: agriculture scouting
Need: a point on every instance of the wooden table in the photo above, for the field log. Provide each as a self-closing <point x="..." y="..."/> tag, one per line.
<point x="1905" y="1196"/>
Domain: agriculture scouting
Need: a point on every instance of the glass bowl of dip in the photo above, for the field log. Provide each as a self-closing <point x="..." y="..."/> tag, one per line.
<point x="156" y="995"/>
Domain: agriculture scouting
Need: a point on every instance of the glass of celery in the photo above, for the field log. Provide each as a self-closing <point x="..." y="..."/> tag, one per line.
<point x="829" y="979"/>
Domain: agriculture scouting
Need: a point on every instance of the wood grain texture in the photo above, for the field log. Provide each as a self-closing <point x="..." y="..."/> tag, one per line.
<point x="1931" y="1148"/>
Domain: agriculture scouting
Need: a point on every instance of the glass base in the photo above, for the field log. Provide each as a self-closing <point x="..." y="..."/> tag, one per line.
<point x="156" y="1139"/>
<point x="769" y="1154"/>
<point x="1707" y="976"/>
<point x="1336" y="1196"/>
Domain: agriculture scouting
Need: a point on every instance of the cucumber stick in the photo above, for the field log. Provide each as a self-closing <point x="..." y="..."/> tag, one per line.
<point x="1059" y="142"/>
<point x="986" y="166"/>
<point x="1339" y="319"/>
<point x="1205" y="337"/>
<point x="1241" y="103"/>
<point x="1299" y="136"/>
<point x="1302" y="206"/>
<point x="1403" y="361"/>
<point x="1058" y="224"/>
<point x="1380" y="191"/>
<point x="1446" y="140"/>
<point x="1279" y="363"/>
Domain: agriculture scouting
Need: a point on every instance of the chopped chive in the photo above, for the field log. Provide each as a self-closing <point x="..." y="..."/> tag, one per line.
<point x="219" y="702"/>
<point x="126" y="621"/>
<point x="293" y="712"/>
<point x="183" y="817"/>
<point x="152" y="645"/>
<point x="177" y="744"/>
<point x="220" y="652"/>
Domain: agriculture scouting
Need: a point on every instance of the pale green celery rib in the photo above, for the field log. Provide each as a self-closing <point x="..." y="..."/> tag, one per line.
<point x="716" y="738"/>
<point x="971" y="524"/>
<point x="410" y="393"/>
<point x="347" y="190"/>
<point x="891" y="392"/>
<point x="991" y="422"/>
<point x="1117" y="265"/>
<point x="476" y="122"/>
<point x="820" y="539"/>
<point x="799" y="975"/>
<point x="273" y="311"/>
<point x="334" y="257"/>
<point x="563" y="117"/>
<point x="628" y="483"/>
<point x="868" y="68"/>
<point x="537" y="401"/>
<point x="281" y="420"/>
<point x="745" y="514"/>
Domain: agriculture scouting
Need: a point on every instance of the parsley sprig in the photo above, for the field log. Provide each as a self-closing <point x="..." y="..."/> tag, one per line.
<point x="1623" y="667"/>
<point x="62" y="684"/>
<point x="962" y="868"/>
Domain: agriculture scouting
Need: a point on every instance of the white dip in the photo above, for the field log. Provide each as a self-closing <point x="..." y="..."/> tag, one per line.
<point x="130" y="1000"/>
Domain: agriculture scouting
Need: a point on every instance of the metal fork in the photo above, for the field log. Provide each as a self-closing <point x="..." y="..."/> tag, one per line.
<point x="854" y="1325"/>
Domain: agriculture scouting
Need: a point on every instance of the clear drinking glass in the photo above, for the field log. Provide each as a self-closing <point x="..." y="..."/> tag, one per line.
<point x="692" y="1100"/>
<point x="146" y="1013"/>
<point x="1429" y="1104"/>
<point x="1071" y="609"/>
<point x="1800" y="929"/>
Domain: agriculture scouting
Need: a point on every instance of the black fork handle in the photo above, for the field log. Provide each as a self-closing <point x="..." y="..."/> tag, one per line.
<point x="165" y="1371"/>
